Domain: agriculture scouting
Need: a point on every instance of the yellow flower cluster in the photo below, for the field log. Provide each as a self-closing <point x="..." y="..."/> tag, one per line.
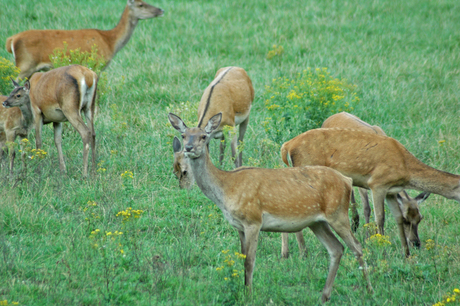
<point x="430" y="244"/>
<point x="450" y="298"/>
<point x="7" y="70"/>
<point x="276" y="51"/>
<point x="379" y="240"/>
<point x="5" y="303"/>
<point x="130" y="214"/>
<point x="127" y="174"/>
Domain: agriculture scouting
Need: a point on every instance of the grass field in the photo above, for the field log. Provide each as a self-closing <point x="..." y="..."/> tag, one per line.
<point x="404" y="57"/>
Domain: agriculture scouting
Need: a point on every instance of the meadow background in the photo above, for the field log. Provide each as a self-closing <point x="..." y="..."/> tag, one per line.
<point x="60" y="240"/>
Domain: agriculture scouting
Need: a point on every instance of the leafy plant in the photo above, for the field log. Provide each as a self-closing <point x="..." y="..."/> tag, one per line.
<point x="304" y="102"/>
<point x="7" y="70"/>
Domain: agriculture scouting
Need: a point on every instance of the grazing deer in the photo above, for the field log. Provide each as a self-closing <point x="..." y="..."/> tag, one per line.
<point x="409" y="206"/>
<point x="374" y="162"/>
<point x="274" y="200"/>
<point x="230" y="93"/>
<point x="32" y="49"/>
<point x="60" y="95"/>
<point x="16" y="119"/>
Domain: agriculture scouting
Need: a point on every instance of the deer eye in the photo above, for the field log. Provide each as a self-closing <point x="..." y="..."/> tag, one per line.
<point x="18" y="96"/>
<point x="141" y="5"/>
<point x="184" y="172"/>
<point x="183" y="136"/>
<point x="203" y="137"/>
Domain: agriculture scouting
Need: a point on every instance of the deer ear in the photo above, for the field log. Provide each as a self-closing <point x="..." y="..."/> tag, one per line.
<point x="177" y="147"/>
<point x="177" y="123"/>
<point x="213" y="123"/>
<point x="422" y="197"/>
<point x="130" y="2"/>
<point x="27" y="86"/>
<point x="16" y="85"/>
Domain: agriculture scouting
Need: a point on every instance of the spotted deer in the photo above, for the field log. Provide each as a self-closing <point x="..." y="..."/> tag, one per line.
<point x="16" y="119"/>
<point x="60" y="95"/>
<point x="230" y="93"/>
<point x="274" y="200"/>
<point x="409" y="206"/>
<point x="374" y="162"/>
<point x="32" y="49"/>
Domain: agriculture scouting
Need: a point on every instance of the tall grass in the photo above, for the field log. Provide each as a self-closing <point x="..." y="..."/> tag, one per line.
<point x="402" y="55"/>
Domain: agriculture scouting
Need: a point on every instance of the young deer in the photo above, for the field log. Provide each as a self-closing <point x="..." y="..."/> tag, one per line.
<point x="275" y="200"/>
<point x="409" y="206"/>
<point x="230" y="93"/>
<point x="374" y="162"/>
<point x="60" y="95"/>
<point x="32" y="49"/>
<point x="16" y="119"/>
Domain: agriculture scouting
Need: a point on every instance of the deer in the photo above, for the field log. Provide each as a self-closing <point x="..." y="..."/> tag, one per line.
<point x="16" y="119"/>
<point x="376" y="162"/>
<point x="410" y="207"/>
<point x="61" y="95"/>
<point x="32" y="49"/>
<point x="231" y="93"/>
<point x="274" y="200"/>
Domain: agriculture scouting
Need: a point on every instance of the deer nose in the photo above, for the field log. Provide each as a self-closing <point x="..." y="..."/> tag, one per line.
<point x="188" y="148"/>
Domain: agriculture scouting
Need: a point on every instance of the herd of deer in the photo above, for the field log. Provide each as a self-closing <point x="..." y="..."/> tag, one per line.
<point x="315" y="192"/>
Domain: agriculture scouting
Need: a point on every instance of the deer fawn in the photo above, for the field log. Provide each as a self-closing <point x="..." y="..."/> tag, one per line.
<point x="275" y="200"/>
<point x="61" y="95"/>
<point x="374" y="162"/>
<point x="409" y="206"/>
<point x="231" y="93"/>
<point x="16" y="119"/>
<point x="32" y="49"/>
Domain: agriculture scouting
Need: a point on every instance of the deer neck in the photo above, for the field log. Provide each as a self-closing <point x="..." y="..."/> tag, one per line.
<point x="426" y="178"/>
<point x="27" y="116"/>
<point x="208" y="178"/>
<point x="120" y="35"/>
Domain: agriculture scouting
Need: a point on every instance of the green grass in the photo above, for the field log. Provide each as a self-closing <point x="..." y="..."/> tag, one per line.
<point x="404" y="56"/>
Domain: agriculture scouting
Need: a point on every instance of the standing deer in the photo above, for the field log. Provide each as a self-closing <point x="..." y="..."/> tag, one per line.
<point x="60" y="95"/>
<point x="16" y="119"/>
<point x="274" y="200"/>
<point x="409" y="206"/>
<point x="230" y="93"/>
<point x="374" y="162"/>
<point x="32" y="49"/>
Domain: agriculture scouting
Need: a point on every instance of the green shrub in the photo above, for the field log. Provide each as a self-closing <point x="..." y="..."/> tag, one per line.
<point x="304" y="102"/>
<point x="7" y="70"/>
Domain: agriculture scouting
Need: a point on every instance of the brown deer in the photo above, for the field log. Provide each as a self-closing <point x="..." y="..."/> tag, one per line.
<point x="274" y="200"/>
<point x="409" y="206"/>
<point x="16" y="119"/>
<point x="230" y="93"/>
<point x="60" y="95"/>
<point x="32" y="49"/>
<point x="374" y="162"/>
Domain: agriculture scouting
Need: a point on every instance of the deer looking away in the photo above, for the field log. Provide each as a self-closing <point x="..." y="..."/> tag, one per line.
<point x="409" y="206"/>
<point x="60" y="95"/>
<point x="274" y="200"/>
<point x="32" y="49"/>
<point x="16" y="119"/>
<point x="230" y="93"/>
<point x="374" y="162"/>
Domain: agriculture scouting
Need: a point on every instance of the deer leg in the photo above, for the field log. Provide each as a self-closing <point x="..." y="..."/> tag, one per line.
<point x="354" y="213"/>
<point x="335" y="249"/>
<point x="284" y="245"/>
<point x="38" y="131"/>
<point x="242" y="130"/>
<point x="366" y="206"/>
<point x="379" y="209"/>
<point x="396" y="211"/>
<point x="241" y="235"/>
<point x="90" y="120"/>
<point x="341" y="226"/>
<point x="85" y="133"/>
<point x="222" y="148"/>
<point x="251" y="234"/>
<point x="58" y="142"/>
<point x="12" y="153"/>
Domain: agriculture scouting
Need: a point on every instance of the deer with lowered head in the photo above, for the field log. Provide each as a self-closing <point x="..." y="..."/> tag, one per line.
<point x="16" y="119"/>
<point x="32" y="49"/>
<point x="274" y="200"/>
<point x="230" y="93"/>
<point x="374" y="162"/>
<point x="409" y="206"/>
<point x="61" y="95"/>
